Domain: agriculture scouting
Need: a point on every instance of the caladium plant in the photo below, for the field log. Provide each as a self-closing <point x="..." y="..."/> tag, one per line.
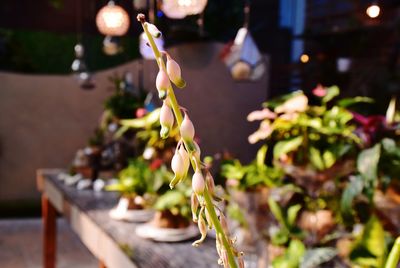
<point x="308" y="135"/>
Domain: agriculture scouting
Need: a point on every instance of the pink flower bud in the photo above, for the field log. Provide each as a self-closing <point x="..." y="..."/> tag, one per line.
<point x="174" y="72"/>
<point x="198" y="183"/>
<point x="166" y="116"/>
<point x="153" y="30"/>
<point x="187" y="129"/>
<point x="162" y="84"/>
<point x="177" y="165"/>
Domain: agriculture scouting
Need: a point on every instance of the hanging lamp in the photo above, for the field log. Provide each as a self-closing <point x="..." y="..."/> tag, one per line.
<point x="179" y="9"/>
<point x="112" y="21"/>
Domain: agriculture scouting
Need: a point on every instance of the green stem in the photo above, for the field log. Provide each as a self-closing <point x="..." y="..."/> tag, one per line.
<point x="394" y="256"/>
<point x="179" y="118"/>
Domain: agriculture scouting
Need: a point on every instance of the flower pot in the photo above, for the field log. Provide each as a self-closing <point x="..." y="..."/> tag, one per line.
<point x="131" y="209"/>
<point x="167" y="227"/>
<point x="165" y="219"/>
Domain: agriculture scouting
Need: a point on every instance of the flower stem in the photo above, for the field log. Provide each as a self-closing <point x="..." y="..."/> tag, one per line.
<point x="195" y="162"/>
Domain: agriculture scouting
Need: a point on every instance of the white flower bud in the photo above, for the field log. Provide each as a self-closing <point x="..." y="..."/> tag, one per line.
<point x="197" y="151"/>
<point x="224" y="224"/>
<point x="203" y="230"/>
<point x="153" y="30"/>
<point x="166" y="116"/>
<point x="185" y="158"/>
<point x="208" y="218"/>
<point x="198" y="183"/>
<point x="162" y="84"/>
<point x="164" y="132"/>
<point x="210" y="183"/>
<point x="187" y="129"/>
<point x="194" y="202"/>
<point x="241" y="261"/>
<point x="177" y="165"/>
<point x="174" y="72"/>
<point x="225" y="258"/>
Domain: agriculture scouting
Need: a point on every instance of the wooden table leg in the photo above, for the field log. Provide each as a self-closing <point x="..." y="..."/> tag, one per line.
<point x="49" y="233"/>
<point x="102" y="264"/>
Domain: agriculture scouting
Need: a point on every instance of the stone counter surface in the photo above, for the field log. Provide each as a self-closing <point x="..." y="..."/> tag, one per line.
<point x="142" y="252"/>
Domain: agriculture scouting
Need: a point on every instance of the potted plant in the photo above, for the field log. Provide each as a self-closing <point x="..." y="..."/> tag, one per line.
<point x="312" y="143"/>
<point x="172" y="219"/>
<point x="138" y="185"/>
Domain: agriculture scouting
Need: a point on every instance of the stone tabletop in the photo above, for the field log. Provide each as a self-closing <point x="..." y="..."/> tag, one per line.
<point x="142" y="252"/>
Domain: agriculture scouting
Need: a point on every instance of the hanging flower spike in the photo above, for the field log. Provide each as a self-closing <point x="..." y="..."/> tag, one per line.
<point x="174" y="72"/>
<point x="201" y="194"/>
<point x="153" y="30"/>
<point x="178" y="168"/>
<point x="166" y="120"/>
<point x="162" y="84"/>
<point x="198" y="183"/>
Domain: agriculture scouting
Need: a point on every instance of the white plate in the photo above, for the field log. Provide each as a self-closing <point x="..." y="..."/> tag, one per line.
<point x="132" y="215"/>
<point x="149" y="231"/>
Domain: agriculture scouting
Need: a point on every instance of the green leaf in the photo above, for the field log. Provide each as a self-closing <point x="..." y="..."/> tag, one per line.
<point x="143" y="122"/>
<point x="367" y="163"/>
<point x="329" y="159"/>
<point x="346" y="102"/>
<point x="394" y="255"/>
<point x="316" y="158"/>
<point x="391" y="111"/>
<point x="286" y="146"/>
<point x="353" y="189"/>
<point x="272" y="104"/>
<point x="332" y="92"/>
<point x="313" y="258"/>
<point x="292" y="257"/>
<point x="370" y="249"/>
<point x="277" y="212"/>
<point x="292" y="214"/>
<point x="169" y="200"/>
<point x="261" y="154"/>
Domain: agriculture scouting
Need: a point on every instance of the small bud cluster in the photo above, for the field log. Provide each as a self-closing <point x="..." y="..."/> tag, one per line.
<point x="203" y="199"/>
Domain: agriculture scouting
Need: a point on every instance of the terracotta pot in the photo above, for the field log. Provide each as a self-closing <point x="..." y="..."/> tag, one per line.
<point x="165" y="219"/>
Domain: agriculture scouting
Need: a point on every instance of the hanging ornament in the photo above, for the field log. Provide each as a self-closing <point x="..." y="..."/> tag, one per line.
<point x="79" y="68"/>
<point x="179" y="9"/>
<point x="112" y="45"/>
<point x="145" y="49"/>
<point x="112" y="20"/>
<point x="242" y="57"/>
